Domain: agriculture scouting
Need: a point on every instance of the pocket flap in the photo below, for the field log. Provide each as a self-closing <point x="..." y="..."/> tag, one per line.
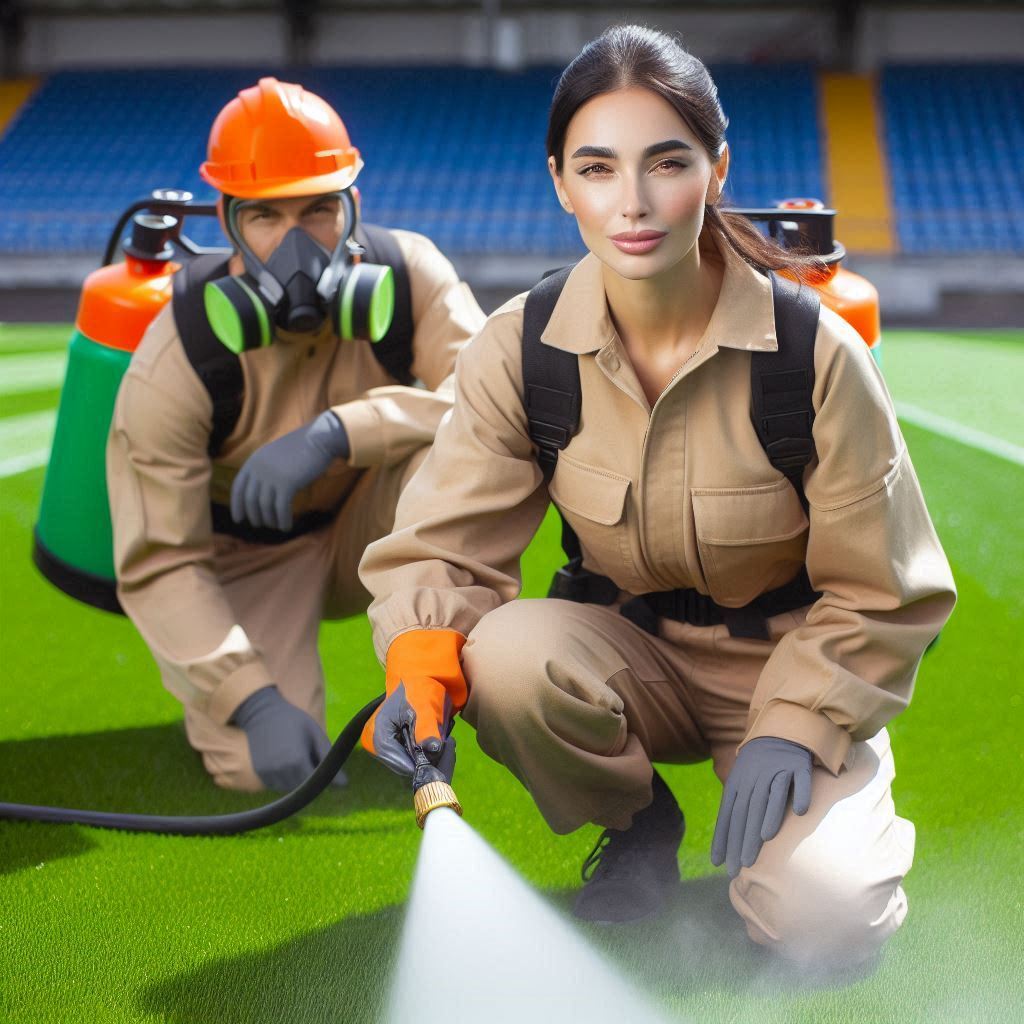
<point x="595" y="494"/>
<point x="737" y="516"/>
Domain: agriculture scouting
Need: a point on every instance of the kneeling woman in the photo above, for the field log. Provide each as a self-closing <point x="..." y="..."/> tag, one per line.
<point x="776" y="641"/>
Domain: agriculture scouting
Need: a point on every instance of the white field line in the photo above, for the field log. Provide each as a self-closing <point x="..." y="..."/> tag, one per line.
<point x="959" y="432"/>
<point x="42" y="371"/>
<point x="25" y="441"/>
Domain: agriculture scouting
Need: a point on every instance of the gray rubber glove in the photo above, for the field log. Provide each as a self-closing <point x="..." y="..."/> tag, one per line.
<point x="394" y="724"/>
<point x="755" y="798"/>
<point x="267" y="483"/>
<point x="284" y="742"/>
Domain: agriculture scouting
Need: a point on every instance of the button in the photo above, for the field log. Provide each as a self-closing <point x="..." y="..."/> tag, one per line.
<point x="613" y="362"/>
<point x="311" y="352"/>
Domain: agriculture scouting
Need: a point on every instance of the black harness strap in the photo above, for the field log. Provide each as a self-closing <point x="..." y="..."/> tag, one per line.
<point x="551" y="377"/>
<point x="308" y="522"/>
<point x="219" y="369"/>
<point x="552" y="391"/>
<point x="782" y="383"/>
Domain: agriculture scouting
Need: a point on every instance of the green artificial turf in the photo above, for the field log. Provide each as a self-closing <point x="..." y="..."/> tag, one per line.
<point x="300" y="922"/>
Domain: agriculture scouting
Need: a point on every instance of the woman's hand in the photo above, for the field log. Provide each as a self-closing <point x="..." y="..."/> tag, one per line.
<point x="755" y="798"/>
<point x="425" y="688"/>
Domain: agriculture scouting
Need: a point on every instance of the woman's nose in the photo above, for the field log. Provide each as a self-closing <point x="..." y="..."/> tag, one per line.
<point x="634" y="200"/>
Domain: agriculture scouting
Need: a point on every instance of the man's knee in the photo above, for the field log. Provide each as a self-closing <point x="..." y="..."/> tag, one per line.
<point x="238" y="777"/>
<point x="224" y="751"/>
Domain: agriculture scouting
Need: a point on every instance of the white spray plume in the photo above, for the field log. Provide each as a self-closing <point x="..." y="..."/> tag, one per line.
<point x="480" y="945"/>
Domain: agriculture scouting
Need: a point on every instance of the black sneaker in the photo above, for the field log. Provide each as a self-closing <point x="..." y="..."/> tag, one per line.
<point x="629" y="875"/>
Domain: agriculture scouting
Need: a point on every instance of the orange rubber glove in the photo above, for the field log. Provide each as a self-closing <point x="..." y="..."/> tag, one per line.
<point x="424" y="688"/>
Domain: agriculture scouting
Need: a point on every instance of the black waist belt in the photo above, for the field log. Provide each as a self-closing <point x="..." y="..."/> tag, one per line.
<point x="573" y="583"/>
<point x="301" y="525"/>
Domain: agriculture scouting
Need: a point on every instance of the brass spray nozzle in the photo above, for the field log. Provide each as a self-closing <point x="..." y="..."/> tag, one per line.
<point x="431" y="796"/>
<point x="430" y="788"/>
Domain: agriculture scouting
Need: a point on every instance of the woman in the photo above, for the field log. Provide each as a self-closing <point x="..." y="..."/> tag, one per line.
<point x="668" y="489"/>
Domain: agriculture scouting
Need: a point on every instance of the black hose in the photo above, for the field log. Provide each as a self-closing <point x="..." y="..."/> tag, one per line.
<point x="215" y="824"/>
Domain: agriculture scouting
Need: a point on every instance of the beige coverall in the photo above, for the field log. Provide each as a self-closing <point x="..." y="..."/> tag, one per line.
<point x="577" y="701"/>
<point x="224" y="617"/>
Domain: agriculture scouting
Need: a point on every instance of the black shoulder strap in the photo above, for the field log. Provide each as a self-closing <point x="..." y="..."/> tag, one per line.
<point x="551" y="377"/>
<point x="216" y="366"/>
<point x="782" y="383"/>
<point x="394" y="350"/>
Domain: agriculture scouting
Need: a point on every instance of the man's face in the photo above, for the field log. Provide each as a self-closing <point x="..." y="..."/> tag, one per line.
<point x="263" y="223"/>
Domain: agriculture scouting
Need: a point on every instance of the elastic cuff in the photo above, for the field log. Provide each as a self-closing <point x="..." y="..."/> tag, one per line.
<point x="235" y="688"/>
<point x="811" y="729"/>
<point x="366" y="434"/>
<point x="382" y="641"/>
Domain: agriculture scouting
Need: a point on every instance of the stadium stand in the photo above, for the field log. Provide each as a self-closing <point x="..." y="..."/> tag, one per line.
<point x="456" y="153"/>
<point x="954" y="135"/>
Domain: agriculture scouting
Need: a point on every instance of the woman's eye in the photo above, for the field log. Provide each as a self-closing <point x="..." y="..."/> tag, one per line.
<point x="593" y="169"/>
<point x="669" y="165"/>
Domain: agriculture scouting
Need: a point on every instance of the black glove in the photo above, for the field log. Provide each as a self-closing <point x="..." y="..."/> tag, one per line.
<point x="267" y="483"/>
<point x="284" y="742"/>
<point x="755" y="798"/>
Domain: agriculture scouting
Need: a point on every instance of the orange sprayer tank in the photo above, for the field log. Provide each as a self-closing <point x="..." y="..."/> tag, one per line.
<point x="73" y="538"/>
<point x="853" y="297"/>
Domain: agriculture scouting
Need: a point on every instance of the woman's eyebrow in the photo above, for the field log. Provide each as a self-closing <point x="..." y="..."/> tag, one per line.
<point x="603" y="152"/>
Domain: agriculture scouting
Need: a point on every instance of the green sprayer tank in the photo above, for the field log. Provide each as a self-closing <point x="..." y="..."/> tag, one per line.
<point x="73" y="543"/>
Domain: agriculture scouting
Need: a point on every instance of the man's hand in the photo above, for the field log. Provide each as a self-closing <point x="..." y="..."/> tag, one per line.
<point x="284" y="742"/>
<point x="425" y="688"/>
<point x="755" y="798"/>
<point x="267" y="483"/>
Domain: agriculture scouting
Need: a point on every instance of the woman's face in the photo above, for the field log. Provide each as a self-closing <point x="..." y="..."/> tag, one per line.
<point x="636" y="178"/>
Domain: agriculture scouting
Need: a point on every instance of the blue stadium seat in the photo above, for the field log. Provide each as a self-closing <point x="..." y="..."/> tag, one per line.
<point x="954" y="135"/>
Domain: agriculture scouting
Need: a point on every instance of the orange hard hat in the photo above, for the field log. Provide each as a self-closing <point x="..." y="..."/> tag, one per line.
<point x="276" y="140"/>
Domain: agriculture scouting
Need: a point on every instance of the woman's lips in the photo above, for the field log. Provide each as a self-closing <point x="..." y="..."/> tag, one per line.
<point x="636" y="243"/>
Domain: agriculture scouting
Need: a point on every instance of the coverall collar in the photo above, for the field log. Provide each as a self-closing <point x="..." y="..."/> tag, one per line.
<point x="744" y="316"/>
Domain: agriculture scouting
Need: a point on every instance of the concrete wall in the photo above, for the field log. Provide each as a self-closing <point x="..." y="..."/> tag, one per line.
<point x="887" y="32"/>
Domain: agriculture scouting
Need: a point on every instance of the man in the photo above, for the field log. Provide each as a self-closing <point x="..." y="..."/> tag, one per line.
<point x="249" y="469"/>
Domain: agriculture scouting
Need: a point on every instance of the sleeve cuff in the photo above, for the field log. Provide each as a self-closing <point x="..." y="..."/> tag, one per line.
<point x="829" y="743"/>
<point x="366" y="436"/>
<point x="235" y="688"/>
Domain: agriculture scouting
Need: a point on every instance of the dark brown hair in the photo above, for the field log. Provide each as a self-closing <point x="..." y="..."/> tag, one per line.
<point x="627" y="56"/>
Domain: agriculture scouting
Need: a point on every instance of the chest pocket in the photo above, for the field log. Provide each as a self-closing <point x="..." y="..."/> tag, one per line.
<point x="593" y="502"/>
<point x="750" y="539"/>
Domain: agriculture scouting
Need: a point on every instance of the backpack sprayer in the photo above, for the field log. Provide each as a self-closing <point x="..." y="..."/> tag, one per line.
<point x="74" y="546"/>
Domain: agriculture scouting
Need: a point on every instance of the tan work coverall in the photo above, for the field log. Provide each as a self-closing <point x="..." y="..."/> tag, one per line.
<point x="224" y="617"/>
<point x="574" y="698"/>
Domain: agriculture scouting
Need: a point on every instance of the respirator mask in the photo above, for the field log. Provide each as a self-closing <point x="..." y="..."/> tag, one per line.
<point x="299" y="287"/>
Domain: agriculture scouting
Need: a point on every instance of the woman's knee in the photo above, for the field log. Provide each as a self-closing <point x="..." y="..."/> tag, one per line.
<point x="506" y="655"/>
<point x="828" y="911"/>
<point x="527" y="661"/>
